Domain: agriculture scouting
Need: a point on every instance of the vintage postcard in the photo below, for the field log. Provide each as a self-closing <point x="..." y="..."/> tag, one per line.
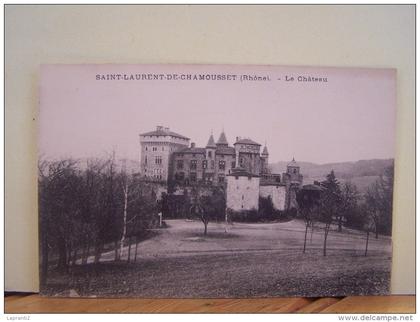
<point x="215" y="181"/>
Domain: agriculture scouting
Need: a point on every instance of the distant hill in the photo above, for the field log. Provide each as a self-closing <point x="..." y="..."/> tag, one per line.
<point x="362" y="173"/>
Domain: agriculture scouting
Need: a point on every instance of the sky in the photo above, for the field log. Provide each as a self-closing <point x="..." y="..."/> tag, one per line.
<point x="348" y="118"/>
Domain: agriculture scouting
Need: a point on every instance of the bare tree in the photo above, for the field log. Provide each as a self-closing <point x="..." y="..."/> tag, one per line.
<point x="329" y="204"/>
<point x="378" y="201"/>
<point x="58" y="208"/>
<point x="348" y="203"/>
<point x="373" y="206"/>
<point x="82" y="209"/>
<point x="208" y="205"/>
<point x="368" y="226"/>
<point x="308" y="201"/>
<point x="124" y="185"/>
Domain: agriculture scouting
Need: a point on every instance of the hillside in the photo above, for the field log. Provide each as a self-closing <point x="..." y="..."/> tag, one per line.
<point x="362" y="173"/>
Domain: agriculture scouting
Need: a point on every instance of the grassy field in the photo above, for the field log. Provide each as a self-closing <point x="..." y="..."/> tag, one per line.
<point x="250" y="260"/>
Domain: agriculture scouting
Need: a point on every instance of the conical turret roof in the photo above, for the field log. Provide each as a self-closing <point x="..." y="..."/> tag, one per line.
<point x="265" y="151"/>
<point x="222" y="139"/>
<point x="210" y="143"/>
<point x="293" y="163"/>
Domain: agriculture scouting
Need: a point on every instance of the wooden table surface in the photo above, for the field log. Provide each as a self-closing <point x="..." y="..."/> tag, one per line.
<point x="33" y="303"/>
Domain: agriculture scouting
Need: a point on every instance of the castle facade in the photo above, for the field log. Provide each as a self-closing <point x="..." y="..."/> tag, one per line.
<point x="242" y="169"/>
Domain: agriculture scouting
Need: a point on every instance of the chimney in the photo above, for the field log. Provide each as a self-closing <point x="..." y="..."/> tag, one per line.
<point x="192" y="145"/>
<point x="237" y="138"/>
<point x="161" y="128"/>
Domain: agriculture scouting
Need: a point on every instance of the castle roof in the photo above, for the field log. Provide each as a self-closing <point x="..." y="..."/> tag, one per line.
<point x="225" y="150"/>
<point x="161" y="131"/>
<point x="293" y="163"/>
<point x="191" y="151"/>
<point x="313" y="187"/>
<point x="265" y="151"/>
<point x="222" y="139"/>
<point x="241" y="172"/>
<point x="246" y="141"/>
<point x="210" y="143"/>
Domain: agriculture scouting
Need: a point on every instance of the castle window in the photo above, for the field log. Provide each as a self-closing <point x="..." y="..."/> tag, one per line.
<point x="179" y="176"/>
<point x="241" y="161"/>
<point x="193" y="177"/>
<point x="221" y="179"/>
<point x="158" y="160"/>
<point x="146" y="148"/>
<point x="204" y="164"/>
<point x="209" y="154"/>
<point x="145" y="160"/>
<point x="233" y="164"/>
<point x="193" y="164"/>
<point x="222" y="165"/>
<point x="212" y="164"/>
<point x="154" y="148"/>
<point x="294" y="170"/>
<point x="180" y="164"/>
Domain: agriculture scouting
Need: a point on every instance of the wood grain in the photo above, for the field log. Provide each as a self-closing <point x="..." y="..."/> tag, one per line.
<point x="319" y="304"/>
<point x="364" y="304"/>
<point x="374" y="304"/>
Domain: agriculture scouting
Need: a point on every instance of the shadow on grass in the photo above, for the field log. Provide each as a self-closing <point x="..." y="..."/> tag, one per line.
<point x="199" y="236"/>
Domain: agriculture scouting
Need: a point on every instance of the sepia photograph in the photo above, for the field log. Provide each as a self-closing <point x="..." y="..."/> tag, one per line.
<point x="215" y="181"/>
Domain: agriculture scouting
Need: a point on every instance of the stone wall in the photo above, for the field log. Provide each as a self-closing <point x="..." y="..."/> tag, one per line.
<point x="277" y="194"/>
<point x="242" y="192"/>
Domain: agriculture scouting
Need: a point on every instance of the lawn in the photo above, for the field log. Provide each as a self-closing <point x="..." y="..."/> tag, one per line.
<point x="249" y="260"/>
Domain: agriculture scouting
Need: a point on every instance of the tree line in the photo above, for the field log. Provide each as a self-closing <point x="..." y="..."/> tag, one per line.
<point x="332" y="203"/>
<point x="86" y="208"/>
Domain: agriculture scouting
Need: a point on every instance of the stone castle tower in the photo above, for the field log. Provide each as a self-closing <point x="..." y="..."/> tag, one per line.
<point x="293" y="181"/>
<point x="157" y="148"/>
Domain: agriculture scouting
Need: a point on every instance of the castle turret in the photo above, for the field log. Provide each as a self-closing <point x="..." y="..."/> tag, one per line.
<point x="222" y="140"/>
<point x="248" y="155"/>
<point x="293" y="180"/>
<point x="293" y="168"/>
<point x="210" y="143"/>
<point x="265" y="152"/>
<point x="292" y="176"/>
<point x="210" y="163"/>
<point x="264" y="160"/>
